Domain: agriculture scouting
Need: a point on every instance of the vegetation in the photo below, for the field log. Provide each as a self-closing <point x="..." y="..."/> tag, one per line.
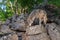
<point x="10" y="7"/>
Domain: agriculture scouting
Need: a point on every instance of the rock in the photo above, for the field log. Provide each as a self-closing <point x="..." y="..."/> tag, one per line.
<point x="35" y="30"/>
<point x="14" y="37"/>
<point x="23" y="36"/>
<point x="7" y="22"/>
<point x="5" y="29"/>
<point x="9" y="37"/>
<point x="18" y="24"/>
<point x="53" y="31"/>
<point x="58" y="21"/>
<point x="42" y="36"/>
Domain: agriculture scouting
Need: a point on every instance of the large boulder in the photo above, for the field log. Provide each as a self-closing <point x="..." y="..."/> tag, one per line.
<point x="36" y="32"/>
<point x="18" y="26"/>
<point x="18" y="23"/>
<point x="53" y="31"/>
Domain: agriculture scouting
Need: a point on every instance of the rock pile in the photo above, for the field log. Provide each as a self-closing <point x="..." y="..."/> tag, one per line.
<point x="9" y="28"/>
<point x="15" y="29"/>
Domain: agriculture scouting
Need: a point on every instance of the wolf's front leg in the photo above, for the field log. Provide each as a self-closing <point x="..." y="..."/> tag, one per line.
<point x="40" y="21"/>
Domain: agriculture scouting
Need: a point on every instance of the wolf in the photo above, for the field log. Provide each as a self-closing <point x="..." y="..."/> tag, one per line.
<point x="37" y="13"/>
